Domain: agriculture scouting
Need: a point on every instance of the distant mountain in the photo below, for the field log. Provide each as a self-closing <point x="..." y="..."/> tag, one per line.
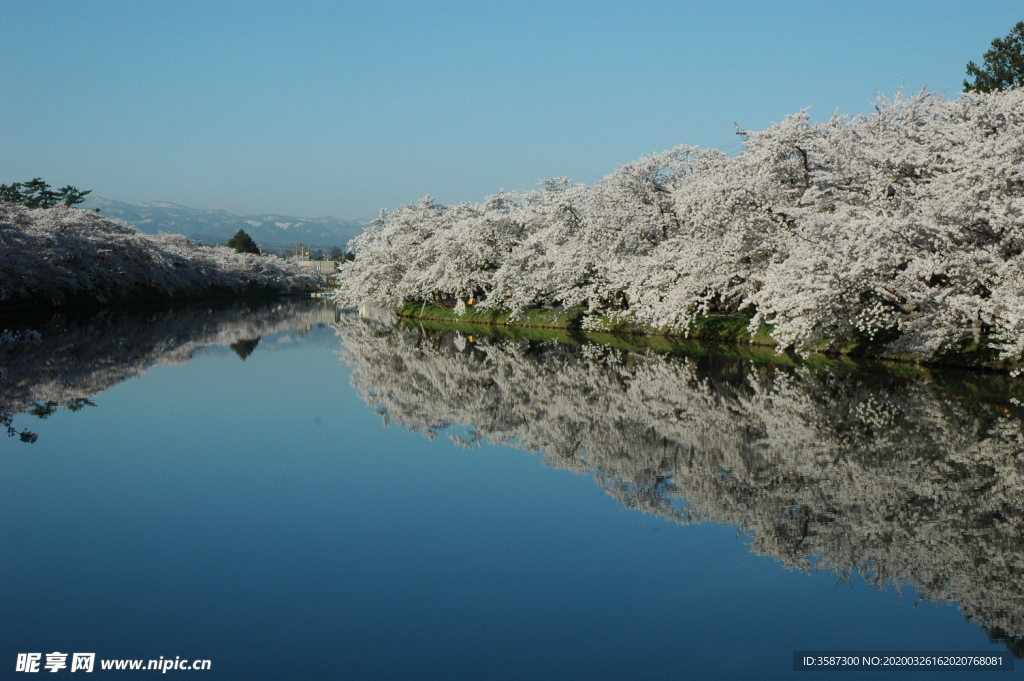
<point x="217" y="226"/>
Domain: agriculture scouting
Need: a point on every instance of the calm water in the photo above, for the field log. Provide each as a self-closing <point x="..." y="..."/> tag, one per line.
<point x="297" y="494"/>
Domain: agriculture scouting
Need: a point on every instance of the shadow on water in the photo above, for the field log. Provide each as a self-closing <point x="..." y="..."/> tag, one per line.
<point x="901" y="475"/>
<point x="57" y="359"/>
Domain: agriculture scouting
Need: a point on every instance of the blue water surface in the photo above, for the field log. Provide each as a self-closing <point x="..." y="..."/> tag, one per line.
<point x="259" y="514"/>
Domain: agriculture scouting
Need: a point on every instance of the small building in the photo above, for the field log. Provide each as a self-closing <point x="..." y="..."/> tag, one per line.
<point x="325" y="267"/>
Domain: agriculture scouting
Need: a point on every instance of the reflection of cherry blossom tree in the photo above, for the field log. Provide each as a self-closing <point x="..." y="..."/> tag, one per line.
<point x="76" y="355"/>
<point x="898" y="479"/>
<point x="14" y="341"/>
<point x="906" y="225"/>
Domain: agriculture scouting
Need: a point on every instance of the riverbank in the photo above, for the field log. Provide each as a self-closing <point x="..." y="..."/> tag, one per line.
<point x="214" y="294"/>
<point x="706" y="334"/>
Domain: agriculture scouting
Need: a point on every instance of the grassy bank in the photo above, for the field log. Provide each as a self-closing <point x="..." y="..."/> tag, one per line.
<point x="708" y="335"/>
<point x="724" y="328"/>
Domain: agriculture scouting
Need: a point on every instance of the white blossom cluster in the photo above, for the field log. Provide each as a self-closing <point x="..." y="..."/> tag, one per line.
<point x="907" y="221"/>
<point x="60" y="254"/>
<point x="898" y="479"/>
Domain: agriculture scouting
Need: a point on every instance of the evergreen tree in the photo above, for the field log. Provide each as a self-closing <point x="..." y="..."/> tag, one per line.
<point x="338" y="254"/>
<point x="1004" y="64"/>
<point x="37" y="194"/>
<point x="243" y="243"/>
<point x="244" y="348"/>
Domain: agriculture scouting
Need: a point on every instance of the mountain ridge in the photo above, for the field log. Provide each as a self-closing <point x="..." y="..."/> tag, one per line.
<point x="269" y="230"/>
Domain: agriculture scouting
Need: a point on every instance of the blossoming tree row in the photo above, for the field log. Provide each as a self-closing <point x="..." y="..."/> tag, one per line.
<point x="907" y="222"/>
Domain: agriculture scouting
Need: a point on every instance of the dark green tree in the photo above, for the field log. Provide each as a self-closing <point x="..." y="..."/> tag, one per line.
<point x="338" y="254"/>
<point x="37" y="194"/>
<point x="1004" y="64"/>
<point x="71" y="196"/>
<point x="244" y="348"/>
<point x="243" y="243"/>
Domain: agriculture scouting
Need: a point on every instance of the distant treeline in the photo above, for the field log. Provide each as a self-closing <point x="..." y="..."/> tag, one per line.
<point x="62" y="255"/>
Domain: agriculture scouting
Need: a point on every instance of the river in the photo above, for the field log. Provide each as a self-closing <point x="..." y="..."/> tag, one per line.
<point x="291" y="491"/>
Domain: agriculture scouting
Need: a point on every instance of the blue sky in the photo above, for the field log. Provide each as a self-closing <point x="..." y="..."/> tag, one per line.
<point x="344" y="108"/>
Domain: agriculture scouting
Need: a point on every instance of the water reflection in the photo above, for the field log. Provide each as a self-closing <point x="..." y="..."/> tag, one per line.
<point x="79" y="353"/>
<point x="903" y="477"/>
<point x="907" y="477"/>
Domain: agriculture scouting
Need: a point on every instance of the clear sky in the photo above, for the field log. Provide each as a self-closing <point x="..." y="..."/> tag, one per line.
<point x="344" y="108"/>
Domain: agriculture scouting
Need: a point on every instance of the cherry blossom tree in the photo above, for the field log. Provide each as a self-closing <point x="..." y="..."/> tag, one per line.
<point x="903" y="226"/>
<point x="59" y="254"/>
